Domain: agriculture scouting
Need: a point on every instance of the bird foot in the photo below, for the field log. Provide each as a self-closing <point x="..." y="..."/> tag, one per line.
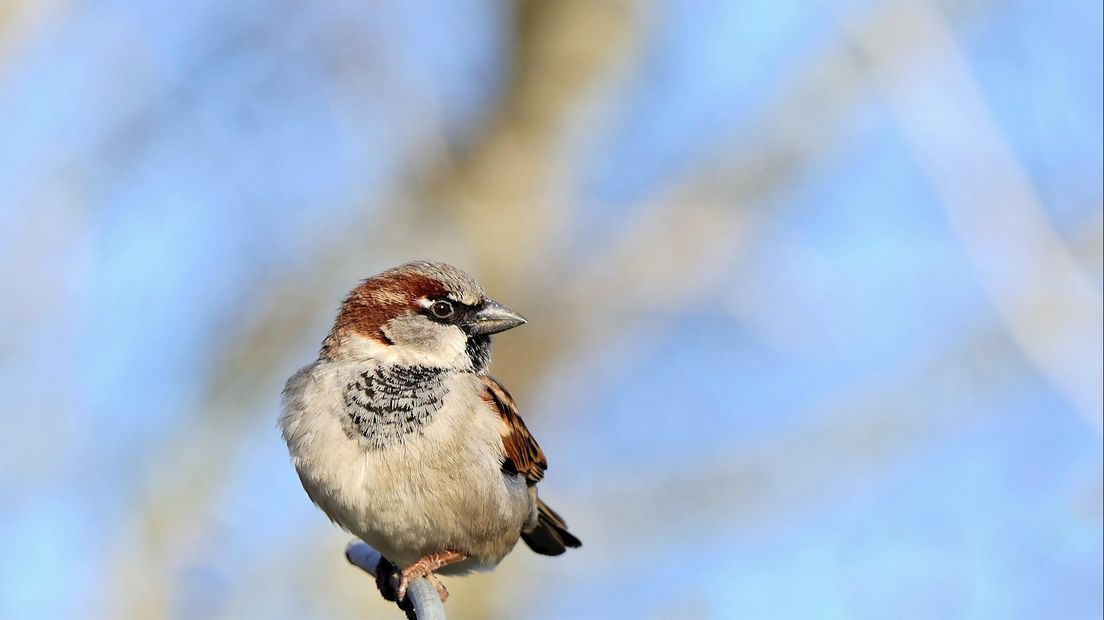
<point x="424" y="567"/>
<point x="442" y="591"/>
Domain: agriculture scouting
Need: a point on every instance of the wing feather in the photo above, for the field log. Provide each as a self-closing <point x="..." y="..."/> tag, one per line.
<point x="523" y="454"/>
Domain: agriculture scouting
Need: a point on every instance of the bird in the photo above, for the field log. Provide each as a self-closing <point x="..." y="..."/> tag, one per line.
<point x="401" y="437"/>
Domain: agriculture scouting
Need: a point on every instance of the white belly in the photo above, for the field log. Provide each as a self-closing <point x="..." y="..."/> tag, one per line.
<point x="441" y="488"/>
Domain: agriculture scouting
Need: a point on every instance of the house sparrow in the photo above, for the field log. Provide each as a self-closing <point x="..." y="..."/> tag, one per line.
<point x="402" y="438"/>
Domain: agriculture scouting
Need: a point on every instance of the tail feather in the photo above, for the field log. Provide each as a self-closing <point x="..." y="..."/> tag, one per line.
<point x="550" y="535"/>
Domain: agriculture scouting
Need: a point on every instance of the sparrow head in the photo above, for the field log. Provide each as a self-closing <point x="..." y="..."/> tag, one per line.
<point x="422" y="312"/>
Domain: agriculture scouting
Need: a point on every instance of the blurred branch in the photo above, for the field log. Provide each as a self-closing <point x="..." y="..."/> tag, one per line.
<point x="501" y="194"/>
<point x="1048" y="303"/>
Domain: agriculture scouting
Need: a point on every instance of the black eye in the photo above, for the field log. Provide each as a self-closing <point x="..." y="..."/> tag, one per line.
<point x="441" y="309"/>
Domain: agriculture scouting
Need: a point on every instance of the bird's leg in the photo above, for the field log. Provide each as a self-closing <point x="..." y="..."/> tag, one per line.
<point x="424" y="567"/>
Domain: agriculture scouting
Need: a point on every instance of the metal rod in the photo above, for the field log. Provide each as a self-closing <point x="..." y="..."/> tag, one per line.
<point x="423" y="596"/>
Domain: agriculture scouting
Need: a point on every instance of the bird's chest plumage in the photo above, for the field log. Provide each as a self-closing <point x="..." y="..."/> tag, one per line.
<point x="408" y="459"/>
<point x="385" y="403"/>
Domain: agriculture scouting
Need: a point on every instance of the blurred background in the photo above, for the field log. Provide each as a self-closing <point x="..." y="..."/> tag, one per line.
<point x="814" y="293"/>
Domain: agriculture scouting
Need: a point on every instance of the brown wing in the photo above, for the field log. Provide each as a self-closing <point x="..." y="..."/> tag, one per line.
<point x="523" y="455"/>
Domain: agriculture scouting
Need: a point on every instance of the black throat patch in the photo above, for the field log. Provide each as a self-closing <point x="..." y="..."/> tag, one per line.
<point x="479" y="352"/>
<point x="388" y="402"/>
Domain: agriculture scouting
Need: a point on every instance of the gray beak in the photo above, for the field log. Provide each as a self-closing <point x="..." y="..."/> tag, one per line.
<point x="492" y="318"/>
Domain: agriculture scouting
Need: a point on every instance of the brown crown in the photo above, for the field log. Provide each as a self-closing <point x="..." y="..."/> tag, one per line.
<point x="377" y="300"/>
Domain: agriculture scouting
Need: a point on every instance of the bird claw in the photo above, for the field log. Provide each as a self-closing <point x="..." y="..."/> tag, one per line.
<point x="424" y="567"/>
<point x="404" y="583"/>
<point x="408" y="577"/>
<point x="442" y="591"/>
<point x="414" y="573"/>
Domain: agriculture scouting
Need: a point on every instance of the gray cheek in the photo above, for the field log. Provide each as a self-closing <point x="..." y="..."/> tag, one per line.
<point x="418" y="332"/>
